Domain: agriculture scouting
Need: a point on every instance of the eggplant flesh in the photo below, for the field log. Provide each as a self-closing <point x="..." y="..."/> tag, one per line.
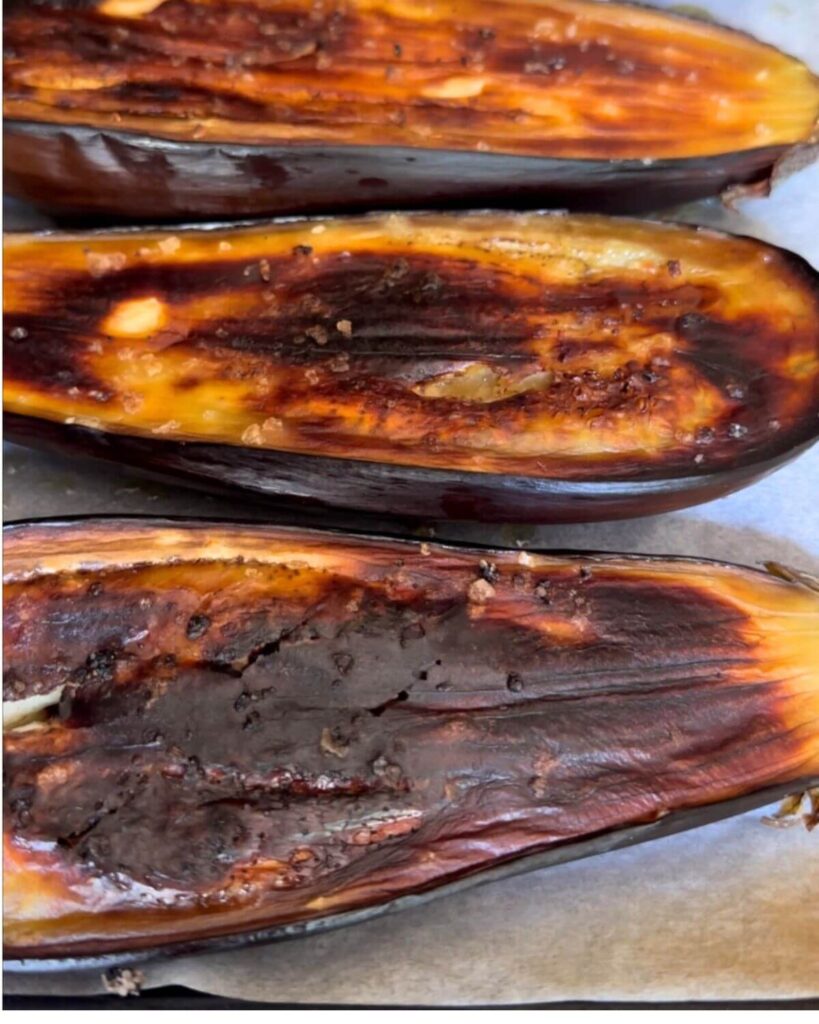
<point x="160" y="110"/>
<point x="214" y="729"/>
<point x="510" y="366"/>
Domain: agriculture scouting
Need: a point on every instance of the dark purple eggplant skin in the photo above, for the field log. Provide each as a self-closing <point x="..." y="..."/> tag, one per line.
<point x="605" y="842"/>
<point x="291" y="480"/>
<point x="72" y="170"/>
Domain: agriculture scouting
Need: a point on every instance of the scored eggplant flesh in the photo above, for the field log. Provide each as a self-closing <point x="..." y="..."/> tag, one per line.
<point x="538" y="346"/>
<point x="262" y="726"/>
<point x="233" y="108"/>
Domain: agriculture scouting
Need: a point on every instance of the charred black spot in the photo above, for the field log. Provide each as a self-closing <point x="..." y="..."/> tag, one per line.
<point x="733" y="356"/>
<point x="136" y="91"/>
<point x="44" y="351"/>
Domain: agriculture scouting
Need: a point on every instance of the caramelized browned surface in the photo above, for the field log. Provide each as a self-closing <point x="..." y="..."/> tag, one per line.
<point x="259" y="726"/>
<point x="559" y="78"/>
<point x="576" y="347"/>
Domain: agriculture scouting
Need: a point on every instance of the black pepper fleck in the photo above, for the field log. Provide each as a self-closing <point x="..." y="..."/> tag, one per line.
<point x="197" y="626"/>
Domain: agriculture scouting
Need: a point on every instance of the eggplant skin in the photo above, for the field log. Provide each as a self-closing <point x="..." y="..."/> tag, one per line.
<point x="74" y="171"/>
<point x="216" y="728"/>
<point x="225" y="109"/>
<point x="468" y="365"/>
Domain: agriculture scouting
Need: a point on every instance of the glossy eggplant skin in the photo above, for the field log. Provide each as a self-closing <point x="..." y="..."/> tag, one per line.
<point x="186" y="109"/>
<point x="527" y="367"/>
<point x="290" y="484"/>
<point x="223" y="731"/>
<point x="73" y="170"/>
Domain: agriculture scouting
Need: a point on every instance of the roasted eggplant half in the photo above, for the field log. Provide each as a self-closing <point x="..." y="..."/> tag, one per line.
<point x="493" y="366"/>
<point x="228" y="108"/>
<point x="219" y="730"/>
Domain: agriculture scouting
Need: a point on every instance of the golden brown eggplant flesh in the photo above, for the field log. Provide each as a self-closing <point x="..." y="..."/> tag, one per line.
<point x="215" y="729"/>
<point x="151" y="109"/>
<point x="499" y="366"/>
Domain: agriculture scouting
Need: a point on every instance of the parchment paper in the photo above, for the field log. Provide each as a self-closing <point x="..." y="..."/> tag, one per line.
<point x="724" y="912"/>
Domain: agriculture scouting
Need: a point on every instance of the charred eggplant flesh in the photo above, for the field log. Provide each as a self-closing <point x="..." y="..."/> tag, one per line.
<point x="214" y="729"/>
<point x="226" y="108"/>
<point x="506" y="366"/>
